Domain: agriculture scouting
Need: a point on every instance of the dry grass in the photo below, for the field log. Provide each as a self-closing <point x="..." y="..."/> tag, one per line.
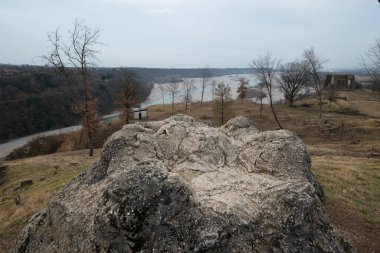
<point x="49" y="174"/>
<point x="351" y="180"/>
<point x="345" y="151"/>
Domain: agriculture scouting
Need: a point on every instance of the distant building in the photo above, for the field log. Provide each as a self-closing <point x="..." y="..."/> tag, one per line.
<point x="140" y="113"/>
<point x="342" y="82"/>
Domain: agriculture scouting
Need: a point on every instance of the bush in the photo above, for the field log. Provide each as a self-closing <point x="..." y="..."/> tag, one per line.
<point x="350" y="111"/>
<point x="39" y="146"/>
<point x="63" y="142"/>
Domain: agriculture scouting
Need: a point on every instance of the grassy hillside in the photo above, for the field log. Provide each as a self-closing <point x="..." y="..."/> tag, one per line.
<point x="49" y="174"/>
<point x="344" y="145"/>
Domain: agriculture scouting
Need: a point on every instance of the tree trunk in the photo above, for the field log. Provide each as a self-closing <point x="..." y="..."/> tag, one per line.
<point x="261" y="106"/>
<point x="222" y="111"/>
<point x="80" y="139"/>
<point x="90" y="145"/>
<point x="87" y="99"/>
<point x="320" y="105"/>
<point x="126" y="115"/>
<point x="203" y="91"/>
<point x="173" y="105"/>
<point x="273" y="111"/>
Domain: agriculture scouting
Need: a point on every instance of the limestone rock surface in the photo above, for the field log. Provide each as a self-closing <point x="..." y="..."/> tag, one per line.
<point x="180" y="186"/>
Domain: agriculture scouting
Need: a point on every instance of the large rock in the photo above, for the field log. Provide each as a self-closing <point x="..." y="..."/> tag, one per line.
<point x="179" y="186"/>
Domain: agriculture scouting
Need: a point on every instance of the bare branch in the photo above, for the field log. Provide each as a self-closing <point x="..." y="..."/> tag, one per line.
<point x="188" y="86"/>
<point x="205" y="77"/>
<point x="292" y="79"/>
<point x="314" y="64"/>
<point x="221" y="105"/>
<point x="265" y="68"/>
<point x="172" y="89"/>
<point x="371" y="62"/>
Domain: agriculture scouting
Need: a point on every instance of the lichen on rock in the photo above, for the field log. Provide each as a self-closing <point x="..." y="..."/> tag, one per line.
<point x="180" y="186"/>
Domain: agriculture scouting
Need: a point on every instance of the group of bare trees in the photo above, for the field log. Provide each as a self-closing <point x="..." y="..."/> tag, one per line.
<point x="221" y="94"/>
<point x="74" y="55"/>
<point x="188" y="86"/>
<point x="172" y="89"/>
<point x="294" y="76"/>
<point x="291" y="78"/>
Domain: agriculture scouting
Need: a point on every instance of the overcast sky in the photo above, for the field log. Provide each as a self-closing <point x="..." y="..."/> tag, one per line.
<point x="195" y="33"/>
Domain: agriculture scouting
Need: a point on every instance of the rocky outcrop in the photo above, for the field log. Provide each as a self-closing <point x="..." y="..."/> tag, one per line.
<point x="179" y="186"/>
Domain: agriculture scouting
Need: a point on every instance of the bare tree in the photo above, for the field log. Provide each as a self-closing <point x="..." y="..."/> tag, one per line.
<point x="292" y="79"/>
<point x="242" y="89"/>
<point x="80" y="54"/>
<point x="213" y="85"/>
<point x="371" y="62"/>
<point x="54" y="57"/>
<point x="331" y="93"/>
<point x="265" y="68"/>
<point x="205" y="77"/>
<point x="260" y="96"/>
<point x="172" y="89"/>
<point x="163" y="91"/>
<point x="127" y="93"/>
<point x="188" y="86"/>
<point x="221" y="106"/>
<point x="314" y="64"/>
